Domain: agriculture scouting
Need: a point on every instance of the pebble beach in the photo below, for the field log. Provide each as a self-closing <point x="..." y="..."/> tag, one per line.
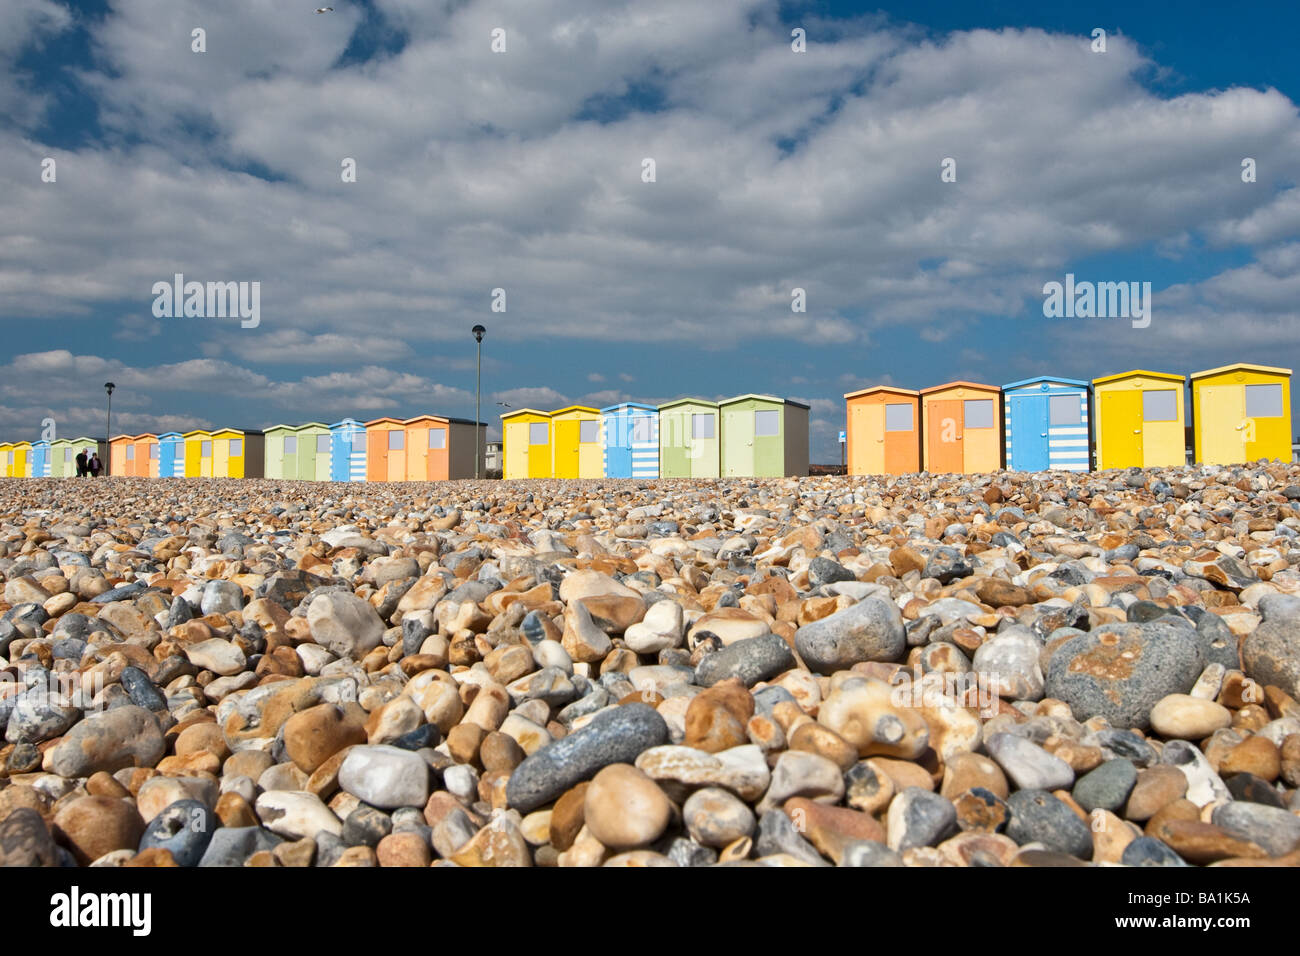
<point x="1011" y="669"/>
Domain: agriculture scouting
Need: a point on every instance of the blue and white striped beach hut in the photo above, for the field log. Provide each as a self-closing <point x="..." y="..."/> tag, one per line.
<point x="630" y="432"/>
<point x="1047" y="424"/>
<point x="348" y="450"/>
<point x="171" y="455"/>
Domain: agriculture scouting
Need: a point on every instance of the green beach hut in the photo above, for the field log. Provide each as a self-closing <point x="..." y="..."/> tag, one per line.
<point x="763" y="437"/>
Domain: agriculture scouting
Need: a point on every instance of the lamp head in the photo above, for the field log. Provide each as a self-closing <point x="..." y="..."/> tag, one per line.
<point x="478" y="331"/>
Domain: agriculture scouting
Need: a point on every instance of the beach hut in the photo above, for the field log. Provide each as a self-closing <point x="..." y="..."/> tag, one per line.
<point x="276" y="449"/>
<point x="962" y="428"/>
<point x="630" y="439"/>
<point x="41" y="459"/>
<point x="576" y="447"/>
<point x="1140" y="420"/>
<point x="763" y="437"/>
<point x="15" y="457"/>
<point x="171" y="455"/>
<point x="1241" y="413"/>
<point x="438" y="448"/>
<point x="63" y="454"/>
<point x="526" y="437"/>
<point x="238" y="453"/>
<point x="298" y="452"/>
<point x="347" y="451"/>
<point x="198" y="454"/>
<point x="1046" y="424"/>
<point x="385" y="449"/>
<point x="133" y="456"/>
<point x="883" y="431"/>
<point x="689" y="439"/>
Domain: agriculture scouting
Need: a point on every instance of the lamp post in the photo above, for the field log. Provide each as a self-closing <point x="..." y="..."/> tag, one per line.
<point x="108" y="425"/>
<point x="478" y="331"/>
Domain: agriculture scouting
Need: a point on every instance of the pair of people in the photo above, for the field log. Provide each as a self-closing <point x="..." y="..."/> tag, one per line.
<point x="91" y="466"/>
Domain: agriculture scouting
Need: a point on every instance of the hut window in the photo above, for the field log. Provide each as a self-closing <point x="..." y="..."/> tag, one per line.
<point x="702" y="426"/>
<point x="322" y="444"/>
<point x="898" y="418"/>
<point x="1263" y="401"/>
<point x="642" y="428"/>
<point x="588" y="431"/>
<point x="978" y="412"/>
<point x="538" y="433"/>
<point x="67" y="455"/>
<point x="396" y="440"/>
<point x="1161" y="406"/>
<point x="236" y="446"/>
<point x="130" y="453"/>
<point x="1065" y="410"/>
<point x="205" y="449"/>
<point x="767" y="423"/>
<point x="153" y="451"/>
<point x="437" y="438"/>
<point x="358" y="443"/>
<point x="291" y="444"/>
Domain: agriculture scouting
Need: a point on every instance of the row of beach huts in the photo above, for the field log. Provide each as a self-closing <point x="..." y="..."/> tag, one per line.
<point x="424" y="448"/>
<point x="1138" y="418"/>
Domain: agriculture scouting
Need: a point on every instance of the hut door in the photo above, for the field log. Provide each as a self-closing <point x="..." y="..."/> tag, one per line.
<point x="1223" y="431"/>
<point x="944" y="437"/>
<point x="377" y="455"/>
<point x="566" y="449"/>
<point x="1029" y="433"/>
<point x="1121" y="421"/>
<point x="867" y="438"/>
<point x="738" y="442"/>
<point x="618" y="446"/>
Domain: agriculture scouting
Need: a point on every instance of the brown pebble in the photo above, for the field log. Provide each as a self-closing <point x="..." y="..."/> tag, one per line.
<point x="463" y="742"/>
<point x="1156" y="787"/>
<point x="568" y="815"/>
<point x="500" y="752"/>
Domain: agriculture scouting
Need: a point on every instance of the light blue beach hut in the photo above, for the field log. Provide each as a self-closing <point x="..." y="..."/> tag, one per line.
<point x="348" y="450"/>
<point x="631" y="440"/>
<point x="171" y="455"/>
<point x="41" y="459"/>
<point x="1047" y="424"/>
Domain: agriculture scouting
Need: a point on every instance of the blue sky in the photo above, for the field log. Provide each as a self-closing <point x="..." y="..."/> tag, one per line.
<point x="522" y="170"/>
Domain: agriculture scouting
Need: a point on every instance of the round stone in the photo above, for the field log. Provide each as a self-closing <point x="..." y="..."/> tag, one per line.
<point x="715" y="818"/>
<point x="624" y="808"/>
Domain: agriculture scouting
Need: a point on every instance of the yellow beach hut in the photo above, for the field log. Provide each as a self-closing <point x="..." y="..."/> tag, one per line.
<point x="1241" y="413"/>
<point x="526" y="437"/>
<point x="576" y="446"/>
<point x="1140" y="420"/>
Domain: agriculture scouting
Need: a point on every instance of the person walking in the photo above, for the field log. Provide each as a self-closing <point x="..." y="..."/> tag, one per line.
<point x="81" y="463"/>
<point x="95" y="465"/>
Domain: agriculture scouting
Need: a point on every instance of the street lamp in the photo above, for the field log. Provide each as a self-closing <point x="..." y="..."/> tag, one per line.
<point x="478" y="331"/>
<point x="108" y="426"/>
